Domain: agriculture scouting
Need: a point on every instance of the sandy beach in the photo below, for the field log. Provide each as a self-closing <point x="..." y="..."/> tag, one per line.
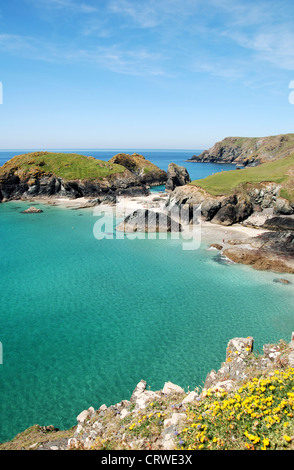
<point x="210" y="232"/>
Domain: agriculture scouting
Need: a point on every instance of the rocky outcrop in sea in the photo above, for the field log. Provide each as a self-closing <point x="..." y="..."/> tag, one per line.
<point x="176" y="176"/>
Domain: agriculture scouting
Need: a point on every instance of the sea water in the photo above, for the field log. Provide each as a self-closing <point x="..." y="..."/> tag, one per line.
<point x="84" y="320"/>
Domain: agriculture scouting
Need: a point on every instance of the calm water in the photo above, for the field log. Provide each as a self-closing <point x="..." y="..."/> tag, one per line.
<point x="83" y="321"/>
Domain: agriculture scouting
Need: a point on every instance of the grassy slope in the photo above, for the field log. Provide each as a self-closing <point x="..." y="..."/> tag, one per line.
<point x="64" y="165"/>
<point x="278" y="171"/>
<point x="134" y="163"/>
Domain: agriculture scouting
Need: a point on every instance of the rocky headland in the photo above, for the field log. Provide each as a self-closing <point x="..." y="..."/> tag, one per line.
<point x="248" y="151"/>
<point x="72" y="176"/>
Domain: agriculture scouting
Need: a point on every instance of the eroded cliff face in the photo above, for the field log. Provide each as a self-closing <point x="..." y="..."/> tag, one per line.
<point x="248" y="151"/>
<point x="225" y="210"/>
<point x="233" y="208"/>
<point x="13" y="187"/>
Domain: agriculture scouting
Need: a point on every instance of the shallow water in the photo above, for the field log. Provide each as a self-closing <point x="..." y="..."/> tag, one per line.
<point x="83" y="321"/>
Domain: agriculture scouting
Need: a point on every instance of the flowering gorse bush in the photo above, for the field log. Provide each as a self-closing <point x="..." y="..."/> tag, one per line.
<point x="258" y="416"/>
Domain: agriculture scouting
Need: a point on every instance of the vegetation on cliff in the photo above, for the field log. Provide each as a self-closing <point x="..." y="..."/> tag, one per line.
<point x="247" y="405"/>
<point x="74" y="175"/>
<point x="248" y="150"/>
<point x="68" y="166"/>
<point x="279" y="171"/>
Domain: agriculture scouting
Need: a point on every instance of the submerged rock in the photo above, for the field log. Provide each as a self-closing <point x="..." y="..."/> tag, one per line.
<point x="282" y="281"/>
<point x="32" y="210"/>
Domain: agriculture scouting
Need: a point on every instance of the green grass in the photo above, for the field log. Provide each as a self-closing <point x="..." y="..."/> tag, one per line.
<point x="225" y="182"/>
<point x="66" y="166"/>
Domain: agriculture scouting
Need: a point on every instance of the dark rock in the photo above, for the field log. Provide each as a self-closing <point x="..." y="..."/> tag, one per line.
<point x="176" y="176"/>
<point x="233" y="211"/>
<point x="226" y="215"/>
<point x="144" y="220"/>
<point x="279" y="223"/>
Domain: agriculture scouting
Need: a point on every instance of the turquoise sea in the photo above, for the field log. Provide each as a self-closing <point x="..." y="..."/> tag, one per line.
<point x="83" y="321"/>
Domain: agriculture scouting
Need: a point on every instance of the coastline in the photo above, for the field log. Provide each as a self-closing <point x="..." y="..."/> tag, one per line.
<point x="210" y="232"/>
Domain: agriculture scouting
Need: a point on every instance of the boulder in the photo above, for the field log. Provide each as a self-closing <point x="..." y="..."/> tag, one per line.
<point x="283" y="207"/>
<point x="170" y="388"/>
<point x="140" y="396"/>
<point x="176" y="176"/>
<point x="144" y="220"/>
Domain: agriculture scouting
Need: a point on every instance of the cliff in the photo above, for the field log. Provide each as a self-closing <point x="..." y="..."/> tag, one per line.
<point x="232" y="196"/>
<point x="73" y="176"/>
<point x="247" y="404"/>
<point x="248" y="151"/>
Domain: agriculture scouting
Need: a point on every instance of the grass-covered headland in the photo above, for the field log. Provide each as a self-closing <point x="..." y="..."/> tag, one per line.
<point x="68" y="166"/>
<point x="279" y="171"/>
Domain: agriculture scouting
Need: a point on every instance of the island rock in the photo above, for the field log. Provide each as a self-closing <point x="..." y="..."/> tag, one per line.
<point x="144" y="220"/>
<point x="176" y="176"/>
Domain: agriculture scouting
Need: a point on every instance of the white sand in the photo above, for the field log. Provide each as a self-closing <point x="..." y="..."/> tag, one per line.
<point x="210" y="233"/>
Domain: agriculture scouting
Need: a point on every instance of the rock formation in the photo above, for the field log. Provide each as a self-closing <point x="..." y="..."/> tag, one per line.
<point x="224" y="210"/>
<point x="73" y="176"/>
<point x="248" y="151"/>
<point x="144" y="170"/>
<point x="32" y="210"/>
<point x="271" y="251"/>
<point x="176" y="176"/>
<point x="144" y="220"/>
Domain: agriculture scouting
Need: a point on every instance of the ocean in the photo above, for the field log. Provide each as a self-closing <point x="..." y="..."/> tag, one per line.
<point x="83" y="320"/>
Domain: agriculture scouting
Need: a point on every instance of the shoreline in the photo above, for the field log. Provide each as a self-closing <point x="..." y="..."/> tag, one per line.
<point x="243" y="243"/>
<point x="210" y="232"/>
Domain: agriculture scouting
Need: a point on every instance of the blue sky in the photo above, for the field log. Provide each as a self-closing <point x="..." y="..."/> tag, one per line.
<point x="144" y="74"/>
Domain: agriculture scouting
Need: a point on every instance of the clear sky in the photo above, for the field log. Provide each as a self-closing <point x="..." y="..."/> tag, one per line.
<point x="144" y="73"/>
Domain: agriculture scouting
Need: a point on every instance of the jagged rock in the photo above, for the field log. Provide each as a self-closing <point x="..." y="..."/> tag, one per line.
<point x="272" y="251"/>
<point x="283" y="207"/>
<point x="144" y="220"/>
<point x="176" y="176"/>
<point x="140" y="396"/>
<point x="238" y="350"/>
<point x="247" y="151"/>
<point x="83" y="416"/>
<point x="232" y="213"/>
<point x="170" y="388"/>
<point x="279" y="223"/>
